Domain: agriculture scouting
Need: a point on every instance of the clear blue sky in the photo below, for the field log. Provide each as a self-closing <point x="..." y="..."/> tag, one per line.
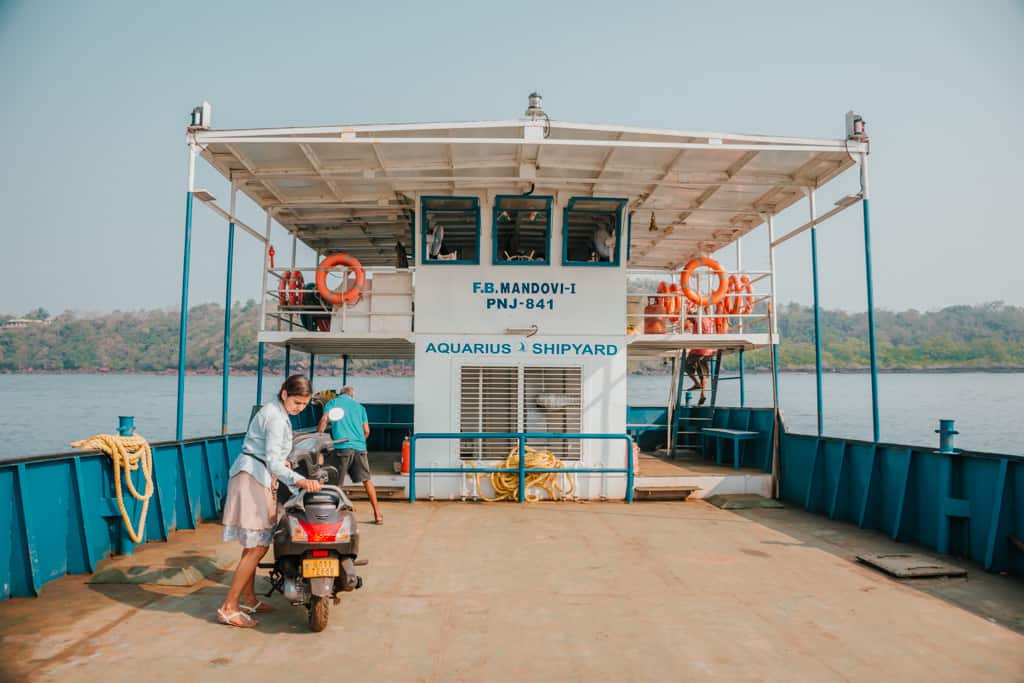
<point x="95" y="98"/>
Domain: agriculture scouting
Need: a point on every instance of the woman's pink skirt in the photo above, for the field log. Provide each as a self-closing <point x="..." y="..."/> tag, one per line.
<point x="250" y="512"/>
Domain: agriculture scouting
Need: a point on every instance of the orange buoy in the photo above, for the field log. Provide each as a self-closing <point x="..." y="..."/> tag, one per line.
<point x="748" y="300"/>
<point x="730" y="304"/>
<point x="351" y="296"/>
<point x="654" y="316"/>
<point x="721" y="319"/>
<point x="696" y="297"/>
<point x="677" y="303"/>
<point x="667" y="301"/>
<point x="290" y="288"/>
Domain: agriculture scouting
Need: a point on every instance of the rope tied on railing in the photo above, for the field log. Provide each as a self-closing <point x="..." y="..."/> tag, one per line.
<point x="506" y="483"/>
<point x="129" y="453"/>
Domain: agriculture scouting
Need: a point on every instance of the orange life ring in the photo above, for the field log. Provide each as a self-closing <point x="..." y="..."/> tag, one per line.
<point x="695" y="297"/>
<point x="748" y="303"/>
<point x="730" y="304"/>
<point x="735" y="303"/>
<point x="677" y="302"/>
<point x="351" y="296"/>
<point x="289" y="288"/>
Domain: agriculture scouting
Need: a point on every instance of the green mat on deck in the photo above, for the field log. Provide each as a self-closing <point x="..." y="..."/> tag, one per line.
<point x="742" y="501"/>
<point x="178" y="571"/>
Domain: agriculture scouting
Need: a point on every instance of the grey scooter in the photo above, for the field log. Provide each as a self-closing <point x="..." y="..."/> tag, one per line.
<point x="316" y="540"/>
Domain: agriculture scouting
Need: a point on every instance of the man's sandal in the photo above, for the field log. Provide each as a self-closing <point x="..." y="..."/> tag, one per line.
<point x="260" y="606"/>
<point x="231" y="619"/>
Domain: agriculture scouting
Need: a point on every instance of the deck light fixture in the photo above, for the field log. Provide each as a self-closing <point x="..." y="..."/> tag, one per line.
<point x="847" y="200"/>
<point x="203" y="195"/>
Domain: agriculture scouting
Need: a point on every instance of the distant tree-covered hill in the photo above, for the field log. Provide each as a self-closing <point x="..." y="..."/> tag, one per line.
<point x="147" y="341"/>
<point x="985" y="336"/>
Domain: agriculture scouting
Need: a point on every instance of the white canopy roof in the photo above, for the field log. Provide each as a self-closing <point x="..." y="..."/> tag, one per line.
<point x="353" y="188"/>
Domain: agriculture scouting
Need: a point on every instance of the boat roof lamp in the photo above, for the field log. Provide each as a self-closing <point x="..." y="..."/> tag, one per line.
<point x="201" y="117"/>
<point x="203" y="195"/>
<point x="856" y="129"/>
<point x="535" y="108"/>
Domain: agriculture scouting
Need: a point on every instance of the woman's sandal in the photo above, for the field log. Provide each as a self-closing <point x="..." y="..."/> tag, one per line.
<point x="260" y="606"/>
<point x="230" y="618"/>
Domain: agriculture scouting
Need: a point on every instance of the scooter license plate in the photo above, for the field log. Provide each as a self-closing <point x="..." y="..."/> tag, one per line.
<point x="312" y="569"/>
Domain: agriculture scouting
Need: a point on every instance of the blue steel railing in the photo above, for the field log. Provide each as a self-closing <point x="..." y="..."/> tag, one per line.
<point x="522" y="470"/>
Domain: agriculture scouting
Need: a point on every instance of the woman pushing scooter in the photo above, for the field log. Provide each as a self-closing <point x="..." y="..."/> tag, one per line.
<point x="250" y="510"/>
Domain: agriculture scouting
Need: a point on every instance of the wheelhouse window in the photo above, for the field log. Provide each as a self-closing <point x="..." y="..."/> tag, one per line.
<point x="522" y="230"/>
<point x="592" y="231"/>
<point x="451" y="230"/>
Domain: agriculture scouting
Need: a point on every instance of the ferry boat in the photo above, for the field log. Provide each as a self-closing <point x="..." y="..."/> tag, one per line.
<point x="520" y="265"/>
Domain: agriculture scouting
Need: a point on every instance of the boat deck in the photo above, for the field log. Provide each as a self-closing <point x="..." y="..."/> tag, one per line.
<point x="708" y="478"/>
<point x="563" y="592"/>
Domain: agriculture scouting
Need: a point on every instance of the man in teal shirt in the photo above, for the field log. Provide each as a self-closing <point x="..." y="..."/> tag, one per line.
<point x="351" y="457"/>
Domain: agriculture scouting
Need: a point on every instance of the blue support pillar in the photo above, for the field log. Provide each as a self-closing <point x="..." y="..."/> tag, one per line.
<point x="287" y="361"/>
<point x="522" y="469"/>
<point x="344" y="370"/>
<point x="227" y="324"/>
<point x="871" y="316"/>
<point x="312" y="366"/>
<point x="183" y="323"/>
<point x="817" y="327"/>
<point x="259" y="374"/>
<point x="743" y="392"/>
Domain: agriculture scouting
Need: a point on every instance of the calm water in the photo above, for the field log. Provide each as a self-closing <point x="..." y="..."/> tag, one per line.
<point x="44" y="413"/>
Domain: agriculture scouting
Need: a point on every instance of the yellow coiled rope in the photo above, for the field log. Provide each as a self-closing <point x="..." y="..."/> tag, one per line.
<point x="506" y="484"/>
<point x="129" y="453"/>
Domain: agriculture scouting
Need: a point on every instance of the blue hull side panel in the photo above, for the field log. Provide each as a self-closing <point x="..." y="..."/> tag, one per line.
<point x="58" y="513"/>
<point x="969" y="504"/>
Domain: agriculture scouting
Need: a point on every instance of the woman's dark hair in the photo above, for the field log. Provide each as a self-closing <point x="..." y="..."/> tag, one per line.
<point x="296" y="385"/>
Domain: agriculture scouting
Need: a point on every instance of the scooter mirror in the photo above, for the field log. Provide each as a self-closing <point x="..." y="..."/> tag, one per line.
<point x="335" y="414"/>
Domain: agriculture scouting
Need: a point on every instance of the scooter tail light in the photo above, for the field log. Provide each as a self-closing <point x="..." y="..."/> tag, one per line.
<point x="328" y="532"/>
<point x="298" y="533"/>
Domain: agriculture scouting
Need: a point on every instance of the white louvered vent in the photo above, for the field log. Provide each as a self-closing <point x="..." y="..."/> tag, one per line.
<point x="489" y="403"/>
<point x="512" y="399"/>
<point x="553" y="402"/>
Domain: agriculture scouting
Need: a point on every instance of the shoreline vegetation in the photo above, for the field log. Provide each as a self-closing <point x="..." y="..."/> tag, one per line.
<point x="985" y="337"/>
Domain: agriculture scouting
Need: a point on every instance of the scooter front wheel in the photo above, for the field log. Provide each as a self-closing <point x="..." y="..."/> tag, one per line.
<point x="318" y="611"/>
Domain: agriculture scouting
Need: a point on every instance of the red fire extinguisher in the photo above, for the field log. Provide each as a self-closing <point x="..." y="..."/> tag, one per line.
<point x="405" y="455"/>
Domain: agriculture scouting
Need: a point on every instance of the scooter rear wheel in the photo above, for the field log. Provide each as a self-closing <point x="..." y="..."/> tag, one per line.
<point x="318" y="611"/>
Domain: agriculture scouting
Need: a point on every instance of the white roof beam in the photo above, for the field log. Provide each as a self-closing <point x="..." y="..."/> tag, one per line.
<point x="314" y="161"/>
<point x="242" y="159"/>
<point x="825" y="146"/>
<point x="733" y="170"/>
